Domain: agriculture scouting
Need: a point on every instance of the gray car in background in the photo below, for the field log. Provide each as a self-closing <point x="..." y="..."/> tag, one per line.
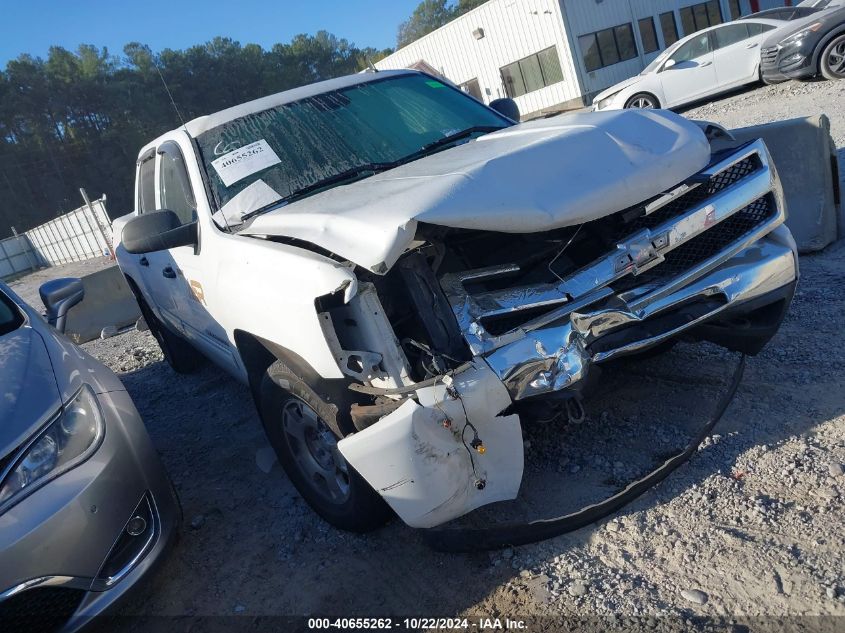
<point x="86" y="507"/>
<point x="810" y="46"/>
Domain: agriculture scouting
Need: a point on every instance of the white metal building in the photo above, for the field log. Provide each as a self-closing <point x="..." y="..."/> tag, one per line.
<point x="553" y="55"/>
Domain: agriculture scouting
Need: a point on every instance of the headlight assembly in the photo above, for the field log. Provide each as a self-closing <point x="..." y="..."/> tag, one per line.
<point x="800" y="35"/>
<point x="66" y="442"/>
<point x="601" y="105"/>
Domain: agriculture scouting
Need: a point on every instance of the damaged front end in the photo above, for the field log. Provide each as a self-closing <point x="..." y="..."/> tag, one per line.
<point x="471" y="329"/>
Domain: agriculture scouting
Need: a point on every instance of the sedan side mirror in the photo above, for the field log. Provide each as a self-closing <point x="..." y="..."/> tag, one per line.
<point x="507" y="107"/>
<point x="669" y="64"/>
<point x="157" y="231"/>
<point x="59" y="296"/>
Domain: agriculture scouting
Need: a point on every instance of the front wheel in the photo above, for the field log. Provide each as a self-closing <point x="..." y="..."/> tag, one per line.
<point x="299" y="426"/>
<point x="644" y="101"/>
<point x="832" y="63"/>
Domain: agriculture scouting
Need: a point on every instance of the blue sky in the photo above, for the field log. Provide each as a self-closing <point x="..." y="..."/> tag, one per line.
<point x="32" y="26"/>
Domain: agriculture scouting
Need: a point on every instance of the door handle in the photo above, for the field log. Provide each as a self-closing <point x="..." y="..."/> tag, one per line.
<point x="703" y="64"/>
<point x="144" y="261"/>
<point x="169" y="273"/>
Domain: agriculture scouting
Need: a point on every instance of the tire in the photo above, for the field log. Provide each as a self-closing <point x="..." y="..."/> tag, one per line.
<point x="647" y="101"/>
<point x="299" y="425"/>
<point x="832" y="60"/>
<point x="179" y="354"/>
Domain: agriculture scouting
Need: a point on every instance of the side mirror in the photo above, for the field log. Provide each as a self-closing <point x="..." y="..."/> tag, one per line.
<point x="157" y="231"/>
<point x="506" y="107"/>
<point x="59" y="296"/>
<point x="669" y="64"/>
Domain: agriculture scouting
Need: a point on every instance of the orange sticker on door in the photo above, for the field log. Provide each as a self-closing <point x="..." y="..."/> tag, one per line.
<point x="196" y="289"/>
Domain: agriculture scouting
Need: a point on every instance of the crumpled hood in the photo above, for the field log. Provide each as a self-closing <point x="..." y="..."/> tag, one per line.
<point x="527" y="178"/>
<point x="28" y="391"/>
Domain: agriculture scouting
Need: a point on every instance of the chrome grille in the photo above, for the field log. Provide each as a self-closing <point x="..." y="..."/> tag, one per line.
<point x="697" y="196"/>
<point x="712" y="241"/>
<point x="691" y="229"/>
<point x="769" y="55"/>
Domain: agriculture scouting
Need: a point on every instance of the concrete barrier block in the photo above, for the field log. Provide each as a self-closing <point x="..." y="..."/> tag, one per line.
<point x="108" y="303"/>
<point x="805" y="157"/>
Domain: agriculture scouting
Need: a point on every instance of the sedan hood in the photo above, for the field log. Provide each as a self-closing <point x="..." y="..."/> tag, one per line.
<point x="527" y="178"/>
<point x="790" y="28"/>
<point x="604" y="94"/>
<point x="29" y="395"/>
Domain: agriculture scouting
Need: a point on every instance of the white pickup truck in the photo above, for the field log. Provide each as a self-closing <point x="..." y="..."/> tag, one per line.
<point x="404" y="276"/>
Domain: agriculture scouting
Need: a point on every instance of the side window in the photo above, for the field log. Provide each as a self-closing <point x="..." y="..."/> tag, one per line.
<point x="730" y="34"/>
<point x="695" y="48"/>
<point x="147" y="185"/>
<point x="174" y="185"/>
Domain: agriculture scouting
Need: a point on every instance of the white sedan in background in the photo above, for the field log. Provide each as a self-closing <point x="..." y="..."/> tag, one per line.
<point x="705" y="63"/>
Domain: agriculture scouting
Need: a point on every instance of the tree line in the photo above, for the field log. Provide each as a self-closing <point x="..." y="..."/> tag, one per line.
<point x="78" y="119"/>
<point x="430" y="15"/>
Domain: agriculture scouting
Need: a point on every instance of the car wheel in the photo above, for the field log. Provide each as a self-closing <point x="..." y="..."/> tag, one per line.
<point x="833" y="59"/>
<point x="643" y="100"/>
<point x="179" y="354"/>
<point x="299" y="425"/>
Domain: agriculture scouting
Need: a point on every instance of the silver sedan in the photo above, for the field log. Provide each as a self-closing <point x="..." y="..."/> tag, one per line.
<point x="86" y="508"/>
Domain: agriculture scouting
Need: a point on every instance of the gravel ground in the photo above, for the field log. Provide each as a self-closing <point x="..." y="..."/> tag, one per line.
<point x="751" y="526"/>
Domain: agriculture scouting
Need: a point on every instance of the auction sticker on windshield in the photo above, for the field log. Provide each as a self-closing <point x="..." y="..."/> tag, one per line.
<point x="245" y="161"/>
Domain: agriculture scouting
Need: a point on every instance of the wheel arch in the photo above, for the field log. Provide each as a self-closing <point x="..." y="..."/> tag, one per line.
<point x="817" y="53"/>
<point x="647" y="93"/>
<point x="258" y="354"/>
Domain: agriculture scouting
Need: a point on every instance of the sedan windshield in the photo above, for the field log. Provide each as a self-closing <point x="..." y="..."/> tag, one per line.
<point x="660" y="59"/>
<point x="10" y="317"/>
<point x="336" y="137"/>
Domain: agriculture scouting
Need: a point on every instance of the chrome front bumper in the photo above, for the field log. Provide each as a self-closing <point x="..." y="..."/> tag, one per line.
<point x="556" y="358"/>
<point x="712" y="244"/>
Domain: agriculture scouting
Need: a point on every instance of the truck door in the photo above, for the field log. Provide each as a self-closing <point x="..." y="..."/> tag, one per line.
<point x="157" y="289"/>
<point x="190" y="271"/>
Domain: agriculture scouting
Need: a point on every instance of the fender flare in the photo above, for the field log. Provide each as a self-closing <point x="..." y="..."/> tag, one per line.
<point x="257" y="354"/>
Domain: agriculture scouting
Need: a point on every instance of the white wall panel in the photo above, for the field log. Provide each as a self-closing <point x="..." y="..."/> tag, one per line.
<point x="513" y="29"/>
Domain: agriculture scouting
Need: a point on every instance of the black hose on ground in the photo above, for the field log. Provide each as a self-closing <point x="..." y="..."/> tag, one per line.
<point x="511" y="534"/>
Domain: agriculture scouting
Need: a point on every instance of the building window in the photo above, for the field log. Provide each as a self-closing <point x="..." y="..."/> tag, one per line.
<point x="736" y="9"/>
<point x="648" y="35"/>
<point x="550" y="66"/>
<point x="532" y="73"/>
<point x="608" y="47"/>
<point x="700" y="16"/>
<point x="669" y="28"/>
<point x="471" y="87"/>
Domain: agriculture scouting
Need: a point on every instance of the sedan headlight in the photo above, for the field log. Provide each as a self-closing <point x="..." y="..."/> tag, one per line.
<point x="800" y="35"/>
<point x="68" y="441"/>
<point x="601" y="105"/>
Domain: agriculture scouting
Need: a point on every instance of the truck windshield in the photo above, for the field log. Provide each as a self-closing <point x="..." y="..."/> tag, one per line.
<point x="336" y="137"/>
